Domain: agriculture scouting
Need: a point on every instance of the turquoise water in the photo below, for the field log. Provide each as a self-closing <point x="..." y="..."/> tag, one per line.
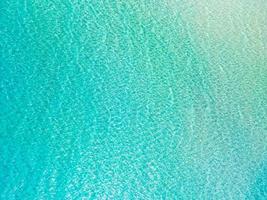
<point x="133" y="100"/>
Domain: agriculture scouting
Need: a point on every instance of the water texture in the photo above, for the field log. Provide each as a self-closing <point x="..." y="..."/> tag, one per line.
<point x="107" y="99"/>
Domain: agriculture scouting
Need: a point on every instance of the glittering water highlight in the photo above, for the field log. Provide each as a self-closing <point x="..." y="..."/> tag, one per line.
<point x="133" y="100"/>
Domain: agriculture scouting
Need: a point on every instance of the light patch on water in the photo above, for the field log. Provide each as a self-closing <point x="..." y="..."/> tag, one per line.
<point x="231" y="36"/>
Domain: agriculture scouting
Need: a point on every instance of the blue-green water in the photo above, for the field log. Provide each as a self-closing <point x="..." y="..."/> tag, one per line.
<point x="133" y="99"/>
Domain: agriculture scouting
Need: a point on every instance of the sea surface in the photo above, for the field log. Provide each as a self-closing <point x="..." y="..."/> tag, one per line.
<point x="109" y="99"/>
